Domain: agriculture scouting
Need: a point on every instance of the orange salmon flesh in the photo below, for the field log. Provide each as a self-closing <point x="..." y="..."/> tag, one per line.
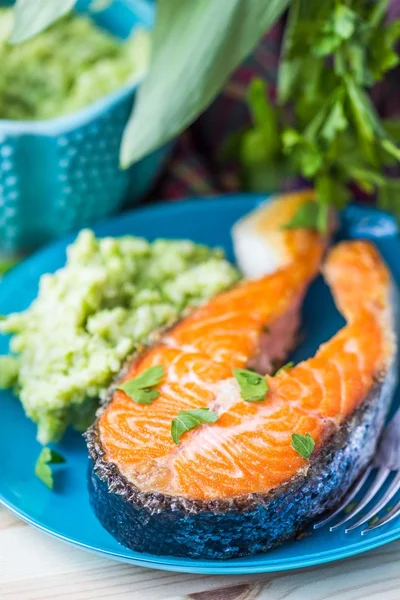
<point x="249" y="448"/>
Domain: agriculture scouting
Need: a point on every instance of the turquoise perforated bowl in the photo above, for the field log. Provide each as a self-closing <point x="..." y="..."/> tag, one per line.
<point x="63" y="173"/>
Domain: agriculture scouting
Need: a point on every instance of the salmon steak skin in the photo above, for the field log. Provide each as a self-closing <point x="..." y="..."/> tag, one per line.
<point x="238" y="486"/>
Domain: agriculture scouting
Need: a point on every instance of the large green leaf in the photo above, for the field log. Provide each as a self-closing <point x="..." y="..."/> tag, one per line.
<point x="32" y="16"/>
<point x="196" y="45"/>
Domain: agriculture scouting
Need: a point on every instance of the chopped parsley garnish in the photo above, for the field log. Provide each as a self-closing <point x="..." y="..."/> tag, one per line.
<point x="253" y="387"/>
<point x="286" y="367"/>
<point x="189" y="419"/>
<point x="140" y="389"/>
<point x="42" y="470"/>
<point x="303" y="444"/>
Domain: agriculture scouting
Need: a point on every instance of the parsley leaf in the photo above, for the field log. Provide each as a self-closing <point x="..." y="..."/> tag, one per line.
<point x="343" y="21"/>
<point x="149" y="377"/>
<point x="265" y="125"/>
<point x="146" y="396"/>
<point x="335" y="121"/>
<point x="332" y="192"/>
<point x="42" y="469"/>
<point x="253" y="387"/>
<point x="54" y="458"/>
<point x="303" y="444"/>
<point x="140" y="389"/>
<point x="43" y="472"/>
<point x="306" y="217"/>
<point x="189" y="419"/>
<point x="286" y="367"/>
<point x="335" y="137"/>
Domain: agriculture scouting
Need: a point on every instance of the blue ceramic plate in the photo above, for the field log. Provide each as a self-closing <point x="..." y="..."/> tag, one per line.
<point x="65" y="513"/>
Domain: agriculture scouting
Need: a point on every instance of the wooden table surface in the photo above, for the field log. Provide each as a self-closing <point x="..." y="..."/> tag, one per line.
<point x="34" y="566"/>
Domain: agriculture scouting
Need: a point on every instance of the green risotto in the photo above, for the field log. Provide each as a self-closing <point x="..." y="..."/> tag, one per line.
<point x="66" y="67"/>
<point x="91" y="314"/>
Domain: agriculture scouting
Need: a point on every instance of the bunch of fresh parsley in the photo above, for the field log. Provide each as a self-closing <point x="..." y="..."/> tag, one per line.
<point x="333" y="53"/>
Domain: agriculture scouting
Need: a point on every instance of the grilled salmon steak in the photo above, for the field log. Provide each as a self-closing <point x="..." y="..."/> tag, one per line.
<point x="240" y="484"/>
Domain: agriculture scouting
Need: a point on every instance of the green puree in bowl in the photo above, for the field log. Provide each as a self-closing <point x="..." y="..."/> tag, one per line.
<point x="65" y="68"/>
<point x="91" y="314"/>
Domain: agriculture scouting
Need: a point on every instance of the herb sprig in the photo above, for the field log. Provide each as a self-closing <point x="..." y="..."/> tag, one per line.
<point x="303" y="444"/>
<point x="333" y="53"/>
<point x="189" y="419"/>
<point x="307" y="216"/>
<point x="253" y="387"/>
<point x="338" y="50"/>
<point x="42" y="469"/>
<point x="141" y="388"/>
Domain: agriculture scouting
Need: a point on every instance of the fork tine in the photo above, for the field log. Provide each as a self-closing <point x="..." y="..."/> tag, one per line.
<point x="387" y="496"/>
<point x="395" y="512"/>
<point x="347" y="499"/>
<point x="380" y="477"/>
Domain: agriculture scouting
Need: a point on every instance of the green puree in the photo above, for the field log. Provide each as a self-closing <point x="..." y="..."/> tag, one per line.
<point x="66" y="67"/>
<point x="91" y="314"/>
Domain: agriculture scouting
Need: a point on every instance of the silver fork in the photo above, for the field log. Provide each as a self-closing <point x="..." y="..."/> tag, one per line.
<point x="385" y="465"/>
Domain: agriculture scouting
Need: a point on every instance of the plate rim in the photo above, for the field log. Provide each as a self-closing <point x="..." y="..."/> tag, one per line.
<point x="166" y="563"/>
<point x="181" y="564"/>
